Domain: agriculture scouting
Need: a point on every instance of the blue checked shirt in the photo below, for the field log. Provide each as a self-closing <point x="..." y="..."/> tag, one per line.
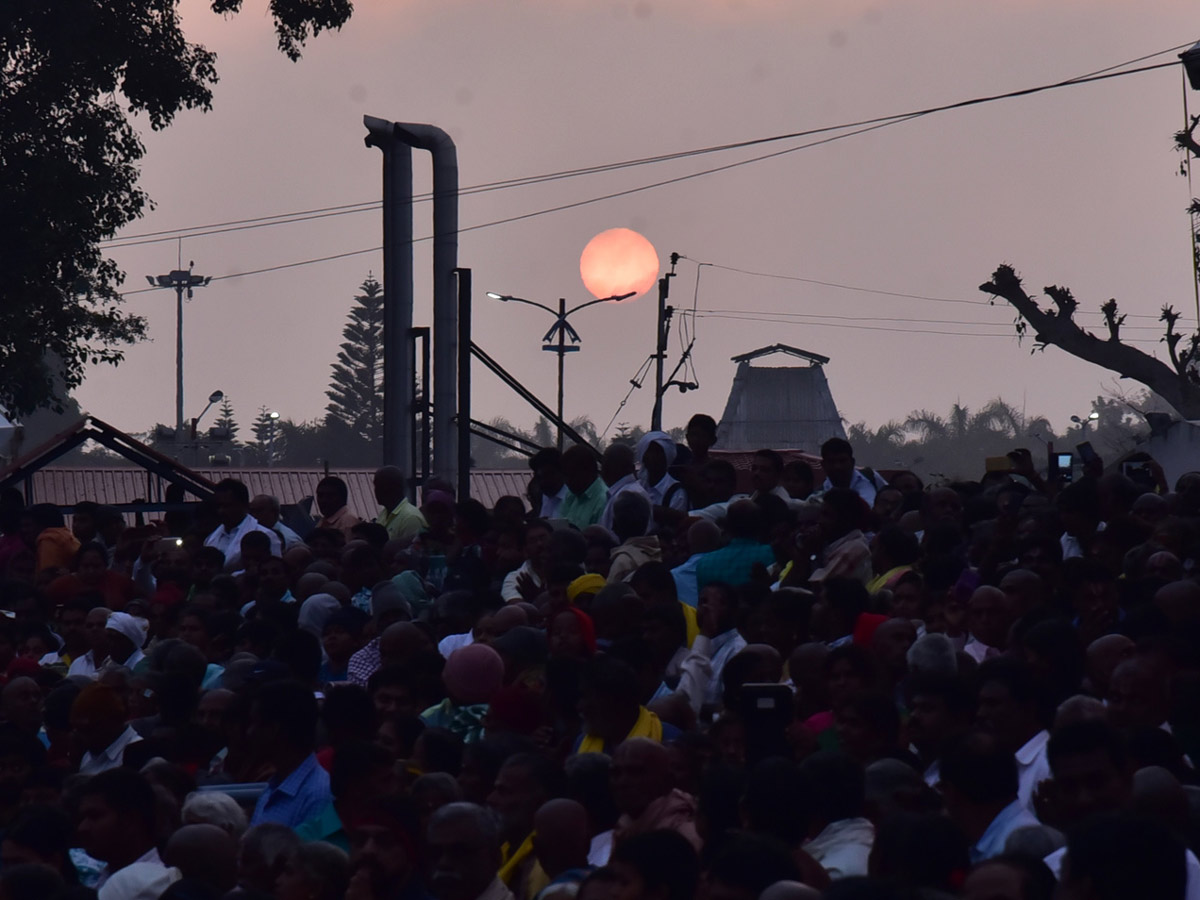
<point x="300" y="795"/>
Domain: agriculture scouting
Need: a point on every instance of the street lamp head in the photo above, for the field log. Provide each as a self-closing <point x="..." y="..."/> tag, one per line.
<point x="1093" y="416"/>
<point x="1076" y="420"/>
<point x="216" y="396"/>
<point x="272" y="415"/>
<point x="151" y="281"/>
<point x="496" y="296"/>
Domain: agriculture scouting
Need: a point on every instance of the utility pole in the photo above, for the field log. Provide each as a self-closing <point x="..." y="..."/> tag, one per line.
<point x="181" y="280"/>
<point x="660" y="350"/>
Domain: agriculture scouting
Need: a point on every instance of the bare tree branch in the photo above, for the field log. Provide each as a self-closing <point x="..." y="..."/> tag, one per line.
<point x="1057" y="327"/>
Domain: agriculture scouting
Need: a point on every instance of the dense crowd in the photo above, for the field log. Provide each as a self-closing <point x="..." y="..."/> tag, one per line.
<point x="635" y="683"/>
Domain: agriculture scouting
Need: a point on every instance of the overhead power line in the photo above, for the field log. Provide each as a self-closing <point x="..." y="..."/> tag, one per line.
<point x="876" y="122"/>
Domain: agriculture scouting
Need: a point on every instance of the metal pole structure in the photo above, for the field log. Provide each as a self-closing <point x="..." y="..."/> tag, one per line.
<point x="398" y="364"/>
<point x="562" y="352"/>
<point x="181" y="280"/>
<point x="464" y="383"/>
<point x="660" y="352"/>
<point x="178" y="363"/>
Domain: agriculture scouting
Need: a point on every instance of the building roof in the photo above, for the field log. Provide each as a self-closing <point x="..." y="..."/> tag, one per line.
<point x="779" y="406"/>
<point x="115" y="485"/>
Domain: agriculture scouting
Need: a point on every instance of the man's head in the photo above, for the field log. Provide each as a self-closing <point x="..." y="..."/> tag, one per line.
<point x="700" y="434"/>
<point x="523" y="784"/>
<point x="547" y="468"/>
<point x="978" y="779"/>
<point x="21" y="704"/>
<point x="464" y="851"/>
<point x="618" y="462"/>
<point x="610" y="695"/>
<point x="989" y="616"/>
<point x="204" y="854"/>
<point x="1090" y="765"/>
<point x="97" y="717"/>
<point x="640" y="774"/>
<point x="331" y="494"/>
<point x="1139" y="694"/>
<point x="561" y="836"/>
<point x="1103" y="656"/>
<point x="39" y="835"/>
<point x="383" y="841"/>
<point x="390" y="487"/>
<point x="115" y="816"/>
<point x="940" y="708"/>
<point x="766" y="470"/>
<point x="233" y="500"/>
<point x="579" y="468"/>
<point x="657" y="865"/>
<point x="631" y="515"/>
<point x="265" y="510"/>
<point x="1012" y="706"/>
<point x="837" y="459"/>
<point x="283" y="721"/>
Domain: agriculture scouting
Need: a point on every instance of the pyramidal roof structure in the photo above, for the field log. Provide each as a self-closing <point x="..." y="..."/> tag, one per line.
<point x="779" y="407"/>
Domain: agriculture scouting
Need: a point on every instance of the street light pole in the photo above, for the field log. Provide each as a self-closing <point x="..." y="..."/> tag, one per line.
<point x="274" y="417"/>
<point x="181" y="281"/>
<point x="563" y="328"/>
<point x="562" y="352"/>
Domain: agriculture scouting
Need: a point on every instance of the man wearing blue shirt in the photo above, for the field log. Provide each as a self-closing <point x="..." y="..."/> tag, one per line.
<point x="283" y="728"/>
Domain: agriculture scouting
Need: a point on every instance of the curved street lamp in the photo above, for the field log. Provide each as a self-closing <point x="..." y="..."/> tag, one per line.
<point x="562" y="329"/>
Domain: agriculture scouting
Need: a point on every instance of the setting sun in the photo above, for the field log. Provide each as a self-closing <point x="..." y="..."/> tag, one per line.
<point x="618" y="261"/>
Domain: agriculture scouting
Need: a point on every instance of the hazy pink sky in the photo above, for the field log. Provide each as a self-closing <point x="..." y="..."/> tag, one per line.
<point x="1077" y="186"/>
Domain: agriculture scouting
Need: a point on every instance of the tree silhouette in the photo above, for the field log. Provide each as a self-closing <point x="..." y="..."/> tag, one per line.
<point x="69" y="168"/>
<point x="270" y="444"/>
<point x="226" y="420"/>
<point x="1177" y="382"/>
<point x="356" y="389"/>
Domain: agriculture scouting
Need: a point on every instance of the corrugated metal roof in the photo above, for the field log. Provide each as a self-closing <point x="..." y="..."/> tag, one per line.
<point x="65" y="486"/>
<point x="779" y="406"/>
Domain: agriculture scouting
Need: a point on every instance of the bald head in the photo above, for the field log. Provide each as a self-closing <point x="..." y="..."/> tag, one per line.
<point x="618" y="461"/>
<point x="1103" y="656"/>
<point x="790" y="890"/>
<point x="308" y="584"/>
<point x="1150" y="508"/>
<point x="1080" y="708"/>
<point x="561" y="836"/>
<point x="402" y="641"/>
<point x="640" y="774"/>
<point x="501" y="622"/>
<point x="1024" y="589"/>
<point x="1178" y="601"/>
<point x="703" y="537"/>
<point x="1139" y="694"/>
<point x="204" y="853"/>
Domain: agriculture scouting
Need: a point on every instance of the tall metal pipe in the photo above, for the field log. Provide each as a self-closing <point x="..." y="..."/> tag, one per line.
<point x="398" y="364"/>
<point x="445" y="293"/>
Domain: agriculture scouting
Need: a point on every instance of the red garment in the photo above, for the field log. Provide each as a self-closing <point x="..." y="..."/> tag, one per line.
<point x="587" y="628"/>
<point x="864" y="628"/>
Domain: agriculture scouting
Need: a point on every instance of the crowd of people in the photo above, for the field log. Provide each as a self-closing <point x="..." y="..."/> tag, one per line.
<point x="635" y="683"/>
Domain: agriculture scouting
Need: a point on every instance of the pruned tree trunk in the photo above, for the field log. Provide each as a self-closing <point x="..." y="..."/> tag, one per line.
<point x="1176" y="383"/>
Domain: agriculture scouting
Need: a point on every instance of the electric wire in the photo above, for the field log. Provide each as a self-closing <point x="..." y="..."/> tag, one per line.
<point x="366" y="206"/>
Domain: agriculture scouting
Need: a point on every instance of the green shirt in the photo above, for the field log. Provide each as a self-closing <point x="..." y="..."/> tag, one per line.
<point x="404" y="521"/>
<point x="585" y="509"/>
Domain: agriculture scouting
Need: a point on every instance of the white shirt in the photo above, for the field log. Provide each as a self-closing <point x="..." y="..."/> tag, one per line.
<point x="721" y="649"/>
<point x="508" y="590"/>
<point x="84" y="665"/>
<point x="628" y="483"/>
<point x="861" y="485"/>
<point x="1032" y="767"/>
<point x="842" y="847"/>
<point x="452" y="642"/>
<point x="600" y="849"/>
<point x="991" y="842"/>
<point x="290" y="538"/>
<point x="229" y="541"/>
<point x="658" y="492"/>
<point x="111" y="757"/>
<point x="144" y="879"/>
<point x="551" y="503"/>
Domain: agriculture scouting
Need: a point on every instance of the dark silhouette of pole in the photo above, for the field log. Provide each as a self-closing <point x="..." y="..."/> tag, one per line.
<point x="563" y="329"/>
<point x="464" y="383"/>
<point x="181" y="280"/>
<point x="562" y="352"/>
<point x="660" y="349"/>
